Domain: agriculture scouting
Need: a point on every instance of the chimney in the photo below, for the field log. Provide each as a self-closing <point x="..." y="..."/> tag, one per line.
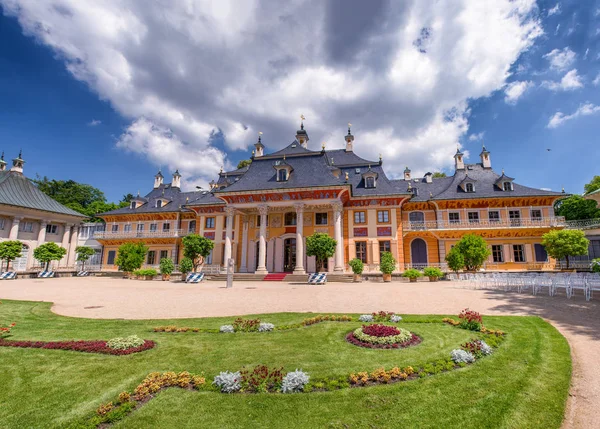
<point x="429" y="177"/>
<point x="349" y="139"/>
<point x="407" y="173"/>
<point x="459" y="162"/>
<point x="2" y="163"/>
<point x="260" y="148"/>
<point x="158" y="180"/>
<point x="176" y="183"/>
<point x="18" y="164"/>
<point x="485" y="158"/>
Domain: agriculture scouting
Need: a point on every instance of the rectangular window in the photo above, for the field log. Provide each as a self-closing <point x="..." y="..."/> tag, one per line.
<point x="473" y="217"/>
<point x="210" y="222"/>
<point x="384" y="246"/>
<point x="290" y="219"/>
<point x="208" y="260"/>
<point x="1" y="224"/>
<point x="320" y="218"/>
<point x="140" y="227"/>
<point x="515" y="217"/>
<point x="151" y="257"/>
<point x="166" y="227"/>
<point x="519" y="253"/>
<point x="51" y="229"/>
<point x="164" y="254"/>
<point x="359" y="217"/>
<point x="498" y="253"/>
<point x="540" y="253"/>
<point x="26" y="226"/>
<point x="127" y="228"/>
<point x="192" y="226"/>
<point x="361" y="251"/>
<point x="454" y="217"/>
<point x="536" y="215"/>
<point x="383" y="216"/>
<point x="114" y="228"/>
<point x="153" y="227"/>
<point x="111" y="257"/>
<point x="507" y="186"/>
<point x="494" y="216"/>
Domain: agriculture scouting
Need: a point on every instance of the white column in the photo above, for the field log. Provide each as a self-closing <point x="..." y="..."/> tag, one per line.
<point x="262" y="245"/>
<point x="42" y="232"/>
<point x="299" y="268"/>
<point x="14" y="229"/>
<point x="339" y="250"/>
<point x="65" y="243"/>
<point x="230" y="211"/>
<point x="73" y="246"/>
<point x="243" y="266"/>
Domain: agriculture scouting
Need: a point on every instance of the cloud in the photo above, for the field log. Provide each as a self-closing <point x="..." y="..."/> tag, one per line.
<point x="476" y="137"/>
<point x="596" y="81"/>
<point x="560" y="59"/>
<point x="515" y="90"/>
<point x="94" y="122"/>
<point x="198" y="79"/>
<point x="569" y="82"/>
<point x="555" y="10"/>
<point x="560" y="118"/>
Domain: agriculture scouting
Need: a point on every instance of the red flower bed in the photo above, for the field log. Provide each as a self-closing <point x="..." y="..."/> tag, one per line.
<point x="413" y="341"/>
<point x="77" y="346"/>
<point x="380" y="330"/>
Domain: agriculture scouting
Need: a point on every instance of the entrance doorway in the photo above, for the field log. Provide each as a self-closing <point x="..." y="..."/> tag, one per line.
<point x="418" y="250"/>
<point x="289" y="254"/>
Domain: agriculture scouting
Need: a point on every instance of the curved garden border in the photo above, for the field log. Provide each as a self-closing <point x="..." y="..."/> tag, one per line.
<point x="413" y="341"/>
<point x="84" y="346"/>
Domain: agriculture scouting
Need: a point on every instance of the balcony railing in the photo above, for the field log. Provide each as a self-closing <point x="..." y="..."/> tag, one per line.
<point x="485" y="224"/>
<point x="99" y="235"/>
<point x="583" y="224"/>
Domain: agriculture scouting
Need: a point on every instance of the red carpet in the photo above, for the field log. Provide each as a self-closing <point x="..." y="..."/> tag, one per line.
<point x="278" y="277"/>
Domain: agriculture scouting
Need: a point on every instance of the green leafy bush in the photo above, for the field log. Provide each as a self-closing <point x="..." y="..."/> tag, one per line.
<point x="596" y="265"/>
<point x="387" y="265"/>
<point x="412" y="273"/>
<point x="131" y="256"/>
<point x="357" y="266"/>
<point x="455" y="260"/>
<point x="149" y="272"/>
<point x="433" y="272"/>
<point x="166" y="266"/>
<point x="186" y="265"/>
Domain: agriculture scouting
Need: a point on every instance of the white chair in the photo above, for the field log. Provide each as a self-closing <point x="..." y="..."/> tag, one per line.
<point x="560" y="281"/>
<point x="593" y="284"/>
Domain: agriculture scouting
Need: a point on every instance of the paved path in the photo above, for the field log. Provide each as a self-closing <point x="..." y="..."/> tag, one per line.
<point x="577" y="320"/>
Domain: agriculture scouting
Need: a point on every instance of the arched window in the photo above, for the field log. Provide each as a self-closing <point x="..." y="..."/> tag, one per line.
<point x="507" y="186"/>
<point x="159" y="203"/>
<point x="281" y="175"/>
<point x="290" y="219"/>
<point x="370" y="182"/>
<point x="133" y="204"/>
<point x="192" y="226"/>
<point x="469" y="187"/>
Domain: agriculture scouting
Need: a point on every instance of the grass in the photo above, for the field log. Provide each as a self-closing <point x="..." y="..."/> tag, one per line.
<point x="524" y="384"/>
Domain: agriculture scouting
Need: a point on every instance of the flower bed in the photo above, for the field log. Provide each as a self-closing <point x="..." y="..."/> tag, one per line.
<point x="78" y="346"/>
<point x="382" y="337"/>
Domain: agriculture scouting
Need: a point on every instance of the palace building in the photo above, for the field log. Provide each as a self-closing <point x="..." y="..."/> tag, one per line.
<point x="260" y="215"/>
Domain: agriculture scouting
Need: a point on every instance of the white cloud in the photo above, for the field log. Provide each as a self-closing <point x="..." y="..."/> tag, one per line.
<point x="515" y="90"/>
<point x="560" y="59"/>
<point x="94" y="122"/>
<point x="555" y="10"/>
<point x="196" y="70"/>
<point x="569" y="82"/>
<point x="476" y="137"/>
<point x="560" y="118"/>
<point x="587" y="51"/>
<point x="596" y="81"/>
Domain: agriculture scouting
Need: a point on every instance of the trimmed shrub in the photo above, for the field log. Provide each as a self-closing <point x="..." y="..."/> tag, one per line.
<point x="294" y="382"/>
<point x="365" y="318"/>
<point x="412" y="274"/>
<point x="228" y="382"/>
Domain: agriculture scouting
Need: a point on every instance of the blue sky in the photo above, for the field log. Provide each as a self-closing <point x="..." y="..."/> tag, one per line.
<point x="108" y="94"/>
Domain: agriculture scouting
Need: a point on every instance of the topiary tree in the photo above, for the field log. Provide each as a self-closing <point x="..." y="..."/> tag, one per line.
<point x="83" y="254"/>
<point x="197" y="248"/>
<point x="387" y="265"/>
<point x="474" y="251"/>
<point x="455" y="260"/>
<point x="564" y="243"/>
<point x="49" y="252"/>
<point x="321" y="246"/>
<point x="9" y="251"/>
<point x="357" y="266"/>
<point x="131" y="256"/>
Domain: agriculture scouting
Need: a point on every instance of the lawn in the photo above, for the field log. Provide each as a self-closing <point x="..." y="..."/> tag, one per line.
<point x="524" y="384"/>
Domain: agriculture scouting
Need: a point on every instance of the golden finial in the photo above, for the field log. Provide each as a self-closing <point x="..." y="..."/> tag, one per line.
<point x="252" y="152"/>
<point x="302" y="117"/>
<point x="221" y="171"/>
<point x="503" y="171"/>
<point x="323" y="146"/>
<point x="284" y="156"/>
<point x="347" y="178"/>
<point x="380" y="157"/>
<point x="260" y="133"/>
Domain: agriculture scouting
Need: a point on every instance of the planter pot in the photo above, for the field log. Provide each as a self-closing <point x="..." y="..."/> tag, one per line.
<point x="166" y="277"/>
<point x="357" y="277"/>
<point x="183" y="277"/>
<point x="148" y="277"/>
<point x="433" y="279"/>
<point x="413" y="279"/>
<point x="387" y="277"/>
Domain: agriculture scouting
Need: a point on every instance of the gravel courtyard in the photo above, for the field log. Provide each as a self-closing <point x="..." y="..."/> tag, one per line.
<point x="97" y="297"/>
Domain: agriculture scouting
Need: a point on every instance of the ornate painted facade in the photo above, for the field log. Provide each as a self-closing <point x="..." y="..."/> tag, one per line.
<point x="260" y="215"/>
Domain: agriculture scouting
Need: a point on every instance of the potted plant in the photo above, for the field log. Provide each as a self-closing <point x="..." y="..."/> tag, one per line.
<point x="357" y="268"/>
<point x="147" y="274"/>
<point x="387" y="265"/>
<point x="185" y="266"/>
<point x="166" y="268"/>
<point x="433" y="273"/>
<point x="412" y="274"/>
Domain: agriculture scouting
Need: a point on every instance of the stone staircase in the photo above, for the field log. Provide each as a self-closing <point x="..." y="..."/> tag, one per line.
<point x="278" y="277"/>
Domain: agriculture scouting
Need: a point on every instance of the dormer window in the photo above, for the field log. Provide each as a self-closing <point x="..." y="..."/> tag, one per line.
<point x="370" y="178"/>
<point x="507" y="186"/>
<point x="159" y="203"/>
<point x="370" y="182"/>
<point x="415" y="191"/>
<point x="469" y="187"/>
<point x="282" y="175"/>
<point x="283" y="170"/>
<point x="133" y="205"/>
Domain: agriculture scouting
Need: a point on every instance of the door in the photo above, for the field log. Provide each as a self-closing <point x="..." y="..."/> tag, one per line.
<point x="418" y="252"/>
<point x="289" y="254"/>
<point x="20" y="264"/>
<point x="540" y="253"/>
<point x="417" y="220"/>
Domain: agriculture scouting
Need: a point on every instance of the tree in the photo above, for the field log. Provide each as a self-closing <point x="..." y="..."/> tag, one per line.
<point x="49" y="252"/>
<point x="438" y="174"/>
<point x="576" y="207"/>
<point x="131" y="256"/>
<point x="9" y="251"/>
<point x="474" y="251"/>
<point x="455" y="260"/>
<point x="564" y="243"/>
<point x="593" y="185"/>
<point x="83" y="254"/>
<point x="127" y="199"/>
<point x="321" y="246"/>
<point x="197" y="248"/>
<point x="244" y="163"/>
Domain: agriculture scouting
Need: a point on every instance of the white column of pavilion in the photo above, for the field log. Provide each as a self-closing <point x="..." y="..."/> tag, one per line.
<point x="14" y="228"/>
<point x="337" y="231"/>
<point x="230" y="211"/>
<point x="65" y="244"/>
<point x="245" y="225"/>
<point x="263" y="209"/>
<point x="299" y="268"/>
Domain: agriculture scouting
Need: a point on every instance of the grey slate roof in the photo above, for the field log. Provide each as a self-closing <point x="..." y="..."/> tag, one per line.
<point x="17" y="190"/>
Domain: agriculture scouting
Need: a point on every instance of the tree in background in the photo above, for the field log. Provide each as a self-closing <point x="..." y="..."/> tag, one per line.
<point x="131" y="256"/>
<point x="455" y="260"/>
<point x="9" y="251"/>
<point x="474" y="251"/>
<point x="564" y="243"/>
<point x="321" y="246"/>
<point x="576" y="207"/>
<point x="594" y="185"/>
<point x="83" y="254"/>
<point x="49" y="252"/>
<point x="197" y="248"/>
<point x="438" y="174"/>
<point x="244" y="163"/>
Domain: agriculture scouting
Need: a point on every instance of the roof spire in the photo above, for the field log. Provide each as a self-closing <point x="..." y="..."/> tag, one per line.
<point x="349" y="125"/>
<point x="302" y="118"/>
